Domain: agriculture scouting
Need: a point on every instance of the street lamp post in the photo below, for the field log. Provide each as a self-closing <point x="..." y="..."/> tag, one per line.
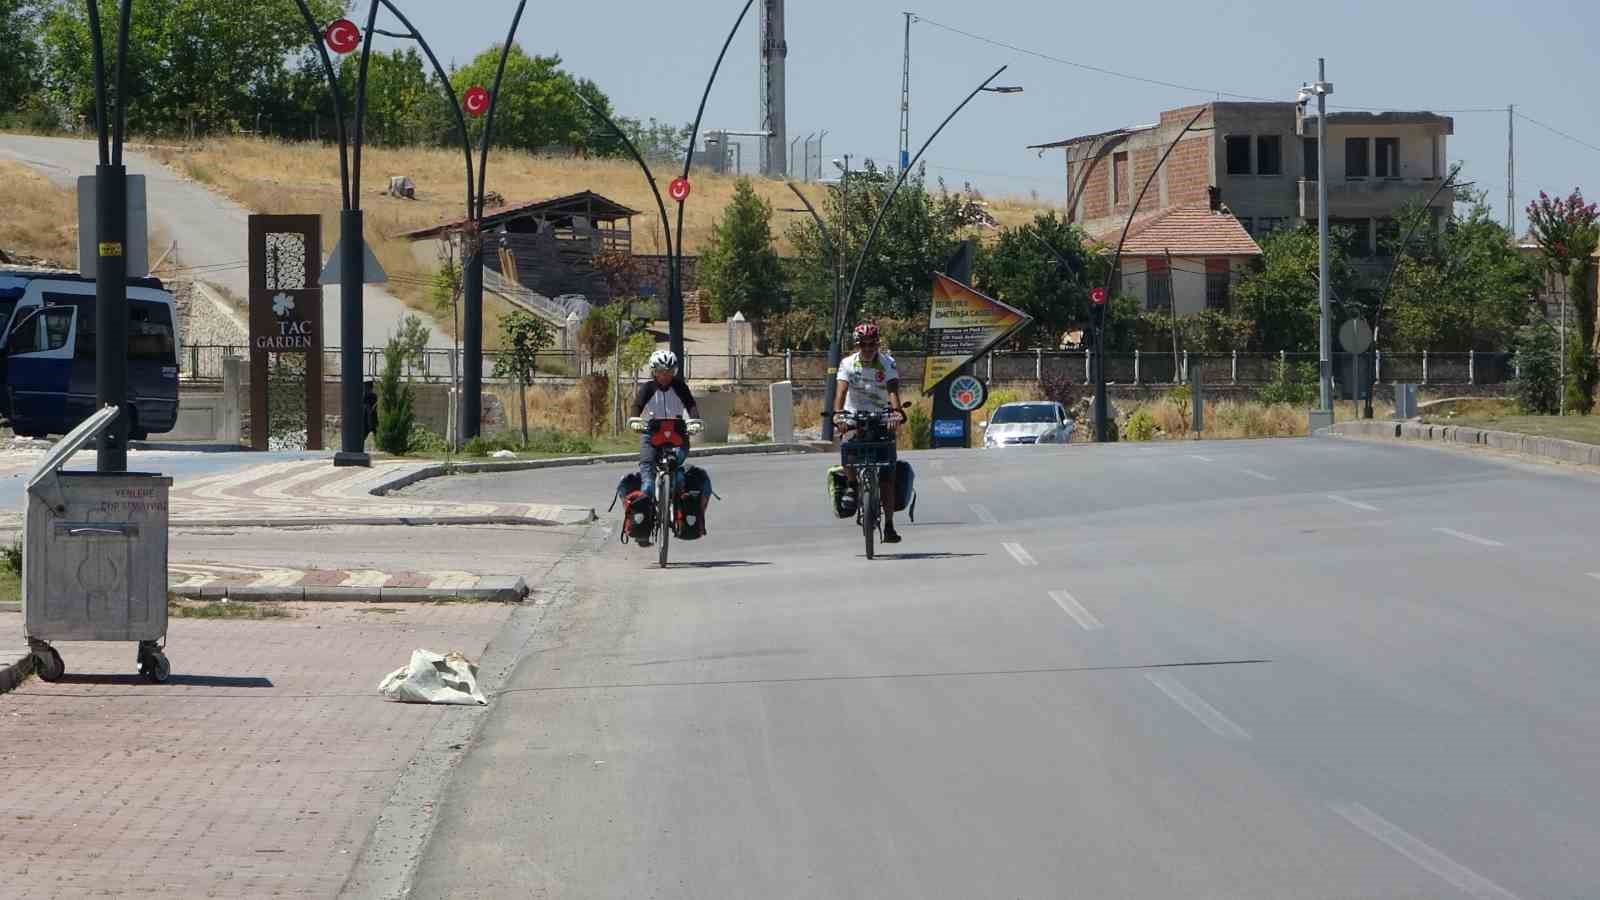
<point x="472" y="269"/>
<point x="111" y="235"/>
<point x="1101" y="404"/>
<point x="675" y="274"/>
<point x="1321" y="89"/>
<point x="842" y="308"/>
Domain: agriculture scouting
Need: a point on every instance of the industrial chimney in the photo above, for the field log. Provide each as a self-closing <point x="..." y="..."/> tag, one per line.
<point x="774" y="121"/>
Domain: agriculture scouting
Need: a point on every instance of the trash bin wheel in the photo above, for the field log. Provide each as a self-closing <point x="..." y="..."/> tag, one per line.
<point x="156" y="668"/>
<point x="48" y="664"/>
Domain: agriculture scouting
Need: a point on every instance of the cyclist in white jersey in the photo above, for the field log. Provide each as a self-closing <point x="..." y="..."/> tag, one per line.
<point x="664" y="396"/>
<point x="869" y="382"/>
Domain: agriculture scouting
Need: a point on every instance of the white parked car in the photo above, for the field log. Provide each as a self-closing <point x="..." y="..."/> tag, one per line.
<point x="1038" y="422"/>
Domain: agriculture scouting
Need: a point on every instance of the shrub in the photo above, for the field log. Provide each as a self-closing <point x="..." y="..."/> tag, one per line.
<point x="426" y="440"/>
<point x="396" y="412"/>
<point x="1581" y="378"/>
<point x="1141" y="425"/>
<point x="920" y="424"/>
<point x="1539" y="380"/>
<point x="596" y="388"/>
<point x="11" y="557"/>
<point x="1296" y="386"/>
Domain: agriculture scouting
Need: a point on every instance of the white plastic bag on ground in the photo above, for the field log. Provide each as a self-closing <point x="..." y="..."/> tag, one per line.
<point x="503" y="454"/>
<point x="431" y="678"/>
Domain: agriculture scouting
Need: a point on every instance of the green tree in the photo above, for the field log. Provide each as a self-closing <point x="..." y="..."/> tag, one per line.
<point x="1457" y="288"/>
<point x="396" y="403"/>
<point x="523" y="336"/>
<point x="1567" y="231"/>
<point x="539" y="106"/>
<point x="1019" y="270"/>
<point x="190" y="64"/>
<point x="405" y="104"/>
<point x="1538" y="379"/>
<point x="739" y="270"/>
<point x="19" y="63"/>
<point x="1280" y="297"/>
<point x="655" y="140"/>
<point x="412" y="336"/>
<point x="919" y="233"/>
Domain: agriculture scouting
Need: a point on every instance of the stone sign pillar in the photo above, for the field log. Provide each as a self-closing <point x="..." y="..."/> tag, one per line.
<point x="285" y="313"/>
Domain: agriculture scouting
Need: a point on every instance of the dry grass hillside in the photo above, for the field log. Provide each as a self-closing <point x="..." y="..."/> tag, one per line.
<point x="277" y="177"/>
<point x="38" y="221"/>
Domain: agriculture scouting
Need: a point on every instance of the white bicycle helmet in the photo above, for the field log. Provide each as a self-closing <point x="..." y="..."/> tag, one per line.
<point x="663" y="361"/>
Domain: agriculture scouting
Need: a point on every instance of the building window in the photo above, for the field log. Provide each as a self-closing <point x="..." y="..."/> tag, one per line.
<point x="1355" y="158"/>
<point x="1309" y="149"/>
<point x="1219" y="277"/>
<point x="1388" y="161"/>
<point x="1119" y="179"/>
<point x="1269" y="155"/>
<point x="1157" y="284"/>
<point x="1238" y="155"/>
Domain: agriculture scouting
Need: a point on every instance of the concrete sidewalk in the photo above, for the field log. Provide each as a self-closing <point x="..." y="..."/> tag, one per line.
<point x="259" y="770"/>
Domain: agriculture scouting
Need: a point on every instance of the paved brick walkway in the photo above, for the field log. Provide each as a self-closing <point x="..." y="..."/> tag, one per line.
<point x="196" y="576"/>
<point x="257" y="771"/>
<point x="314" y="492"/>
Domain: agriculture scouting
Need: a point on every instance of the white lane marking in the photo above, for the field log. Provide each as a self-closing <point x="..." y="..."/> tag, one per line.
<point x="194" y="581"/>
<point x="1420" y="853"/>
<point x="1197" y="707"/>
<point x="983" y="514"/>
<point x="1201" y="458"/>
<point x="955" y="484"/>
<point x="1023" y="557"/>
<point x="1352" y="503"/>
<point x="1073" y="608"/>
<point x="1469" y="538"/>
<point x="279" y="578"/>
<point x="451" y="580"/>
<point x="1261" y="475"/>
<point x="365" y="578"/>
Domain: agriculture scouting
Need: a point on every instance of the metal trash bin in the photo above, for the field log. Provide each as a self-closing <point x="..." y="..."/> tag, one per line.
<point x="94" y="564"/>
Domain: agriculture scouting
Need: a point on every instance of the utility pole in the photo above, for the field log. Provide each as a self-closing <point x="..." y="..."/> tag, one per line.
<point x="1325" y="367"/>
<point x="1511" y="170"/>
<point x="111" y="235"/>
<point x="905" y="99"/>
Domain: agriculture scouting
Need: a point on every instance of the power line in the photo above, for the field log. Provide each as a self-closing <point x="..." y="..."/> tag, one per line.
<point x="1172" y="84"/>
<point x="1558" y="132"/>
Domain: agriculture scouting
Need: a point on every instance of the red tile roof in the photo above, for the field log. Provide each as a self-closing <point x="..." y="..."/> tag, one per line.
<point x="1188" y="230"/>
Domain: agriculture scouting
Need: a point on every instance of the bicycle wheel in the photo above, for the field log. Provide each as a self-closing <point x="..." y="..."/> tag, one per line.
<point x="869" y="522"/>
<point x="663" y="515"/>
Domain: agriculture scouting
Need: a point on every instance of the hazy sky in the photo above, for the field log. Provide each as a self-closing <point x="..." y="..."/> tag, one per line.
<point x="845" y="59"/>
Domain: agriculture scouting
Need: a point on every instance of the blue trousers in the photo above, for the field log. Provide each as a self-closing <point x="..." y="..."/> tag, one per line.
<point x="647" y="464"/>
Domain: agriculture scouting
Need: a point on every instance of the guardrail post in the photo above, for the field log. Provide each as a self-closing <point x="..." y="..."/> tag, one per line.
<point x="788" y="366"/>
<point x="1283" y="365"/>
<point x="1377" y="367"/>
<point x="1179" y="377"/>
<point x="989" y="367"/>
<point x="1233" y="372"/>
<point x="1135" y="366"/>
<point x="1088" y="366"/>
<point x="1038" y="364"/>
<point x="1472" y="368"/>
<point x="1424" y="367"/>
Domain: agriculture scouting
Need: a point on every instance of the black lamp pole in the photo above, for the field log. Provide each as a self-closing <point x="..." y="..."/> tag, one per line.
<point x="675" y="273"/>
<point x="472" y="271"/>
<point x="111" y="235"/>
<point x="1100" y="403"/>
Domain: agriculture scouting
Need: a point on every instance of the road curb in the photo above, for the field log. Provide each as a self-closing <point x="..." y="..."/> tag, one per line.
<point x="492" y="588"/>
<point x="441" y="470"/>
<point x="1557" y="449"/>
<point x="15" y="672"/>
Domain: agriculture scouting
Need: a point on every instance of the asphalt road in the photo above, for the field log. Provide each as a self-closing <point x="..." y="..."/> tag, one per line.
<point x="210" y="229"/>
<point x="1290" y="669"/>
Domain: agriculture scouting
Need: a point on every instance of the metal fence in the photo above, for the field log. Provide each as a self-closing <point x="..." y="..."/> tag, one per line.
<point x="203" y="363"/>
